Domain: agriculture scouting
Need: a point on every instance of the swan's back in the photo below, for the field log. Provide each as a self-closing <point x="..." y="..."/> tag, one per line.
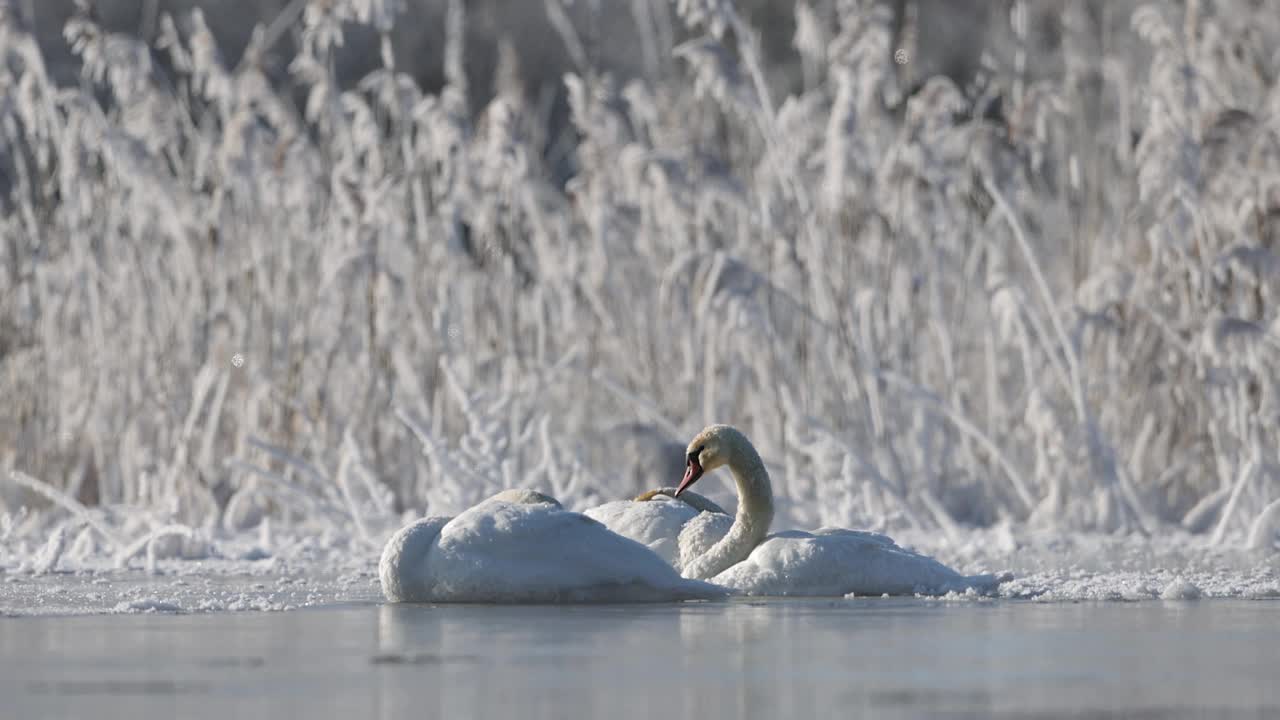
<point x="505" y="552"/>
<point x="656" y="524"/>
<point x="843" y="562"/>
<point x="675" y="530"/>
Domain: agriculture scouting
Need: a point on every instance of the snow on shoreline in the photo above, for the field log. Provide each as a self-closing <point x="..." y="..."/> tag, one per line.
<point x="253" y="571"/>
<point x="1074" y="567"/>
<point x="195" y="590"/>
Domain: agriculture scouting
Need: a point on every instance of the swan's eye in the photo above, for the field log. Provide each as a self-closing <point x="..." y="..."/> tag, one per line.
<point x="693" y="456"/>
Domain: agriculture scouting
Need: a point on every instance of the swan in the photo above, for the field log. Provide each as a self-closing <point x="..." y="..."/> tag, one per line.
<point x="746" y="559"/>
<point x="521" y="546"/>
<point x="677" y="529"/>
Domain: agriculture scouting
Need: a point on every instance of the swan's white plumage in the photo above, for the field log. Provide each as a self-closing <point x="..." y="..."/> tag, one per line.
<point x="827" y="562"/>
<point x="674" y="529"/>
<point x="843" y="562"/>
<point x="656" y="524"/>
<point x="700" y="534"/>
<point x="530" y="550"/>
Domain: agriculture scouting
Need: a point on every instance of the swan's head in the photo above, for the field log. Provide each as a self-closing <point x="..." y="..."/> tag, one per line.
<point x="716" y="445"/>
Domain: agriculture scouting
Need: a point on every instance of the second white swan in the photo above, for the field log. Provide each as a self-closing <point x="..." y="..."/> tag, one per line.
<point x="678" y="530"/>
<point x="742" y="556"/>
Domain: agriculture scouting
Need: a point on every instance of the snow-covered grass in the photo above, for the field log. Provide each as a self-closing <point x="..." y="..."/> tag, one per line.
<point x="1039" y="302"/>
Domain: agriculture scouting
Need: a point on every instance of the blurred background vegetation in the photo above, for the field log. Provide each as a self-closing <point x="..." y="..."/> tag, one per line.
<point x="952" y="34"/>
<point x="949" y="262"/>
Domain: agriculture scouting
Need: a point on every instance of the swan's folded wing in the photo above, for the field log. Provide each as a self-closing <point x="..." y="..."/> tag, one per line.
<point x="655" y="524"/>
<point x="857" y="534"/>
<point x="499" y="552"/>
<point x="842" y="562"/>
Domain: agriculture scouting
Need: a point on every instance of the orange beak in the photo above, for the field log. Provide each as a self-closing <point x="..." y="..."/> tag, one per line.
<point x="692" y="472"/>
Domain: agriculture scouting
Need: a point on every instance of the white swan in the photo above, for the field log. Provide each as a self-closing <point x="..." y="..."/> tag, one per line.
<point x="522" y="546"/>
<point x="826" y="562"/>
<point x="676" y="529"/>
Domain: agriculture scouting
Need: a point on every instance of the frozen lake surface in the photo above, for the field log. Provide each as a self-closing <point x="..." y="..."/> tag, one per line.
<point x="744" y="658"/>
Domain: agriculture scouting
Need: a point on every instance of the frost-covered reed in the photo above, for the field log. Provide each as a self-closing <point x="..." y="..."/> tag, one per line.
<point x="1044" y="298"/>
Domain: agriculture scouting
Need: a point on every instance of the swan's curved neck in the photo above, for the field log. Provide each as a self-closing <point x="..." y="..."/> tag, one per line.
<point x="750" y="525"/>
